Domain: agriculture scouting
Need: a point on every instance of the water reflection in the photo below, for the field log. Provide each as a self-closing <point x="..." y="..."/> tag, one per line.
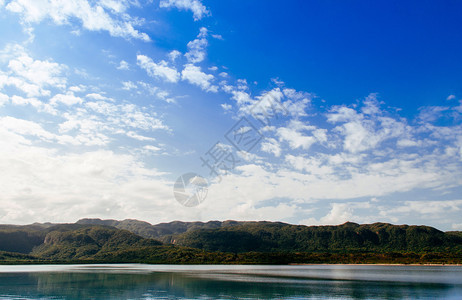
<point x="107" y="284"/>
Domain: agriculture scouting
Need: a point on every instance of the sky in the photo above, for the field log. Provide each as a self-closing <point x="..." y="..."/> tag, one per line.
<point x="306" y="112"/>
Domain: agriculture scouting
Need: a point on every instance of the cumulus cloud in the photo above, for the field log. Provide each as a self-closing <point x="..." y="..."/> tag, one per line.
<point x="105" y="15"/>
<point x="129" y="85"/>
<point x="42" y="184"/>
<point x="123" y="65"/>
<point x="174" y="54"/>
<point x="270" y="105"/>
<point x="67" y="99"/>
<point x="366" y="129"/>
<point x="226" y="106"/>
<point x="160" y="70"/>
<point x="340" y="213"/>
<point x="293" y="134"/>
<point x="196" y="48"/>
<point x="194" y="75"/>
<point x="271" y="145"/>
<point x="32" y="76"/>
<point x="195" y="6"/>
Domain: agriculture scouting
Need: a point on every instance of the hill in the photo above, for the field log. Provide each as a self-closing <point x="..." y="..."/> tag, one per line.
<point x="348" y="237"/>
<point x="95" y="240"/>
<point x="88" y="242"/>
<point x="162" y="231"/>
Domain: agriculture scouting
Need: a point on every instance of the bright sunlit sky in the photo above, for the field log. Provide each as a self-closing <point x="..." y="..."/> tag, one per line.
<point x="104" y="104"/>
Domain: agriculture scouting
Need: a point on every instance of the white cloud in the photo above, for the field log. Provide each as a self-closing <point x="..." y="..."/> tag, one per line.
<point x="451" y="97"/>
<point x="217" y="36"/>
<point x="242" y="99"/>
<point x="36" y="71"/>
<point x="34" y="102"/>
<point x="24" y="127"/>
<point x="164" y="95"/>
<point x="115" y="6"/>
<point x="213" y="68"/>
<point x="432" y="113"/>
<point x="138" y="137"/>
<point x="241" y="83"/>
<point x="77" y="88"/>
<point x="408" y="143"/>
<point x="3" y="99"/>
<point x="196" y="48"/>
<point x="152" y="90"/>
<point x="160" y="70"/>
<point x="107" y="15"/>
<point x="249" y="157"/>
<point x="41" y="184"/>
<point x="194" y="75"/>
<point x="270" y="105"/>
<point x="266" y="106"/>
<point x="123" y="65"/>
<point x="271" y="145"/>
<point x="226" y="106"/>
<point x="367" y="129"/>
<point x="297" y="102"/>
<point x="198" y="9"/>
<point x="128" y="85"/>
<point x="340" y="213"/>
<point x="427" y="207"/>
<point x="67" y="99"/>
<point x="21" y="101"/>
<point x="296" y="139"/>
<point x="33" y="77"/>
<point x="152" y="148"/>
<point x="97" y="96"/>
<point x="312" y="165"/>
<point x="174" y="54"/>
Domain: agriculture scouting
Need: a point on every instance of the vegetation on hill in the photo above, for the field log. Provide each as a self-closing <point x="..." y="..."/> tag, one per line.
<point x="162" y="231"/>
<point x="21" y="239"/>
<point x="94" y="240"/>
<point x="349" y="237"/>
<point x="88" y="242"/>
<point x="11" y="257"/>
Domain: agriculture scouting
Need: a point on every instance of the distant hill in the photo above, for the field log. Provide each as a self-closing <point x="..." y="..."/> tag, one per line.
<point x="349" y="237"/>
<point x="88" y="242"/>
<point x="20" y="239"/>
<point x="95" y="240"/>
<point x="162" y="231"/>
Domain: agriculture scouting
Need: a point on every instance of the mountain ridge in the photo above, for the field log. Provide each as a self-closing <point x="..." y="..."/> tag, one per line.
<point x="226" y="242"/>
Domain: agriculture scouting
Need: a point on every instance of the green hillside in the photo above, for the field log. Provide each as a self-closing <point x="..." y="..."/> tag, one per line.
<point x="88" y="242"/>
<point x="349" y="237"/>
<point x="94" y="240"/>
<point x="162" y="231"/>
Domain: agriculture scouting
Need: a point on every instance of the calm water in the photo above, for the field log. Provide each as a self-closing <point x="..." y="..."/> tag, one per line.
<point x="134" y="281"/>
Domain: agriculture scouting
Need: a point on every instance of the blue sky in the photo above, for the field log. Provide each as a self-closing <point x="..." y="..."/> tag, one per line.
<point x="356" y="107"/>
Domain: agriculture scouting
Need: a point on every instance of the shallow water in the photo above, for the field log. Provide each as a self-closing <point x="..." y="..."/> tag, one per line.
<point x="137" y="281"/>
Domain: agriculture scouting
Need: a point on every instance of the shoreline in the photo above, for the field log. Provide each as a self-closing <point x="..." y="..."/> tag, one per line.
<point x="379" y="264"/>
<point x="231" y="264"/>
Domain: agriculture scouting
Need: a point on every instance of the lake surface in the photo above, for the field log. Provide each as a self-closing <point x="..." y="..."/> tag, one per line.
<point x="138" y="281"/>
